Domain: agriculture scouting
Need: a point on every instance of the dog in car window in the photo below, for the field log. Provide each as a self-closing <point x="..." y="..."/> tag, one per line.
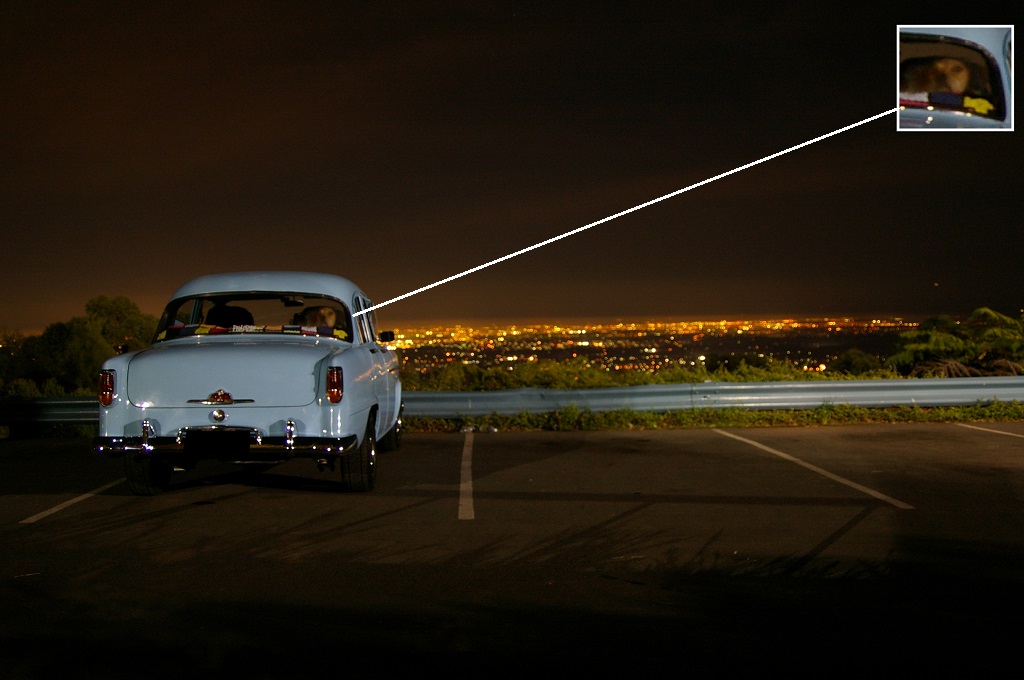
<point x="942" y="74"/>
<point x="317" y="316"/>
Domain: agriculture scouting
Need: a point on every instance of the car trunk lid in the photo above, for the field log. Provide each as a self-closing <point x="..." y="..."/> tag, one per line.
<point x="227" y="372"/>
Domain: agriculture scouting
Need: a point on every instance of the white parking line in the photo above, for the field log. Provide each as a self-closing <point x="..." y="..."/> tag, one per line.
<point x="986" y="429"/>
<point x="466" y="480"/>
<point x="58" y="508"/>
<point x="825" y="473"/>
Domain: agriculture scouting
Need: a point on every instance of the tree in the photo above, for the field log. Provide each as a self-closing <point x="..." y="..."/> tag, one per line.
<point x="995" y="336"/>
<point x="121" y="323"/>
<point x="987" y="343"/>
<point x="67" y="357"/>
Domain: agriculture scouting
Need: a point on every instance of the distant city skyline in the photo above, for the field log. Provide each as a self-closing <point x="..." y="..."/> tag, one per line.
<point x="689" y="324"/>
<point x="386" y="322"/>
<point x="810" y="344"/>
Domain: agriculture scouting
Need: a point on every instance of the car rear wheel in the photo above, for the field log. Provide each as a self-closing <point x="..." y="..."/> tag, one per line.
<point x="147" y="476"/>
<point x="359" y="468"/>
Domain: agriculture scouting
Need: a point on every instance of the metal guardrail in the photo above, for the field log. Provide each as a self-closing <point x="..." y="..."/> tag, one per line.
<point x="54" y="410"/>
<point x="718" y="395"/>
<point x="657" y="398"/>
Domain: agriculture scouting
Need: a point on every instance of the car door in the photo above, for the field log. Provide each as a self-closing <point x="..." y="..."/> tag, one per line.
<point x="383" y="376"/>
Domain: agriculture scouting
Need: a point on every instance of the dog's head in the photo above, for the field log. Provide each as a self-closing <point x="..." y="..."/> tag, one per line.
<point x="942" y="74"/>
<point x="328" y="317"/>
<point x="949" y="75"/>
<point x="317" y="316"/>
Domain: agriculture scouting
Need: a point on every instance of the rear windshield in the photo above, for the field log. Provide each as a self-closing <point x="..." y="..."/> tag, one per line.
<point x="939" y="72"/>
<point x="293" y="313"/>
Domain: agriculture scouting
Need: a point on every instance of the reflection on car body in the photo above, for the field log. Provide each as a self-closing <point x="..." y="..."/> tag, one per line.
<point x="955" y="77"/>
<point x="255" y="368"/>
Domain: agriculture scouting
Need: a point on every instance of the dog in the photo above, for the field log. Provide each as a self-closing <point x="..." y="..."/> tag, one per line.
<point x="943" y="74"/>
<point x="317" y="316"/>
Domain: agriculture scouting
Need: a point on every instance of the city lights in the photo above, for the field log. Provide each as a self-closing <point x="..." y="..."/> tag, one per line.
<point x="808" y="344"/>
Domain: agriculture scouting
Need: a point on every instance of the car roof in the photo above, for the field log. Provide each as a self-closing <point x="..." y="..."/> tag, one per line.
<point x="329" y="285"/>
<point x="992" y="38"/>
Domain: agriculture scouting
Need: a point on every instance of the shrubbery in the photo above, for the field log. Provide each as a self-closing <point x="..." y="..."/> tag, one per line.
<point x="987" y="343"/>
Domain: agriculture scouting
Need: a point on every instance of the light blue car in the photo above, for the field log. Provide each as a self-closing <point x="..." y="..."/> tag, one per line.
<point x="255" y="368"/>
<point x="955" y="77"/>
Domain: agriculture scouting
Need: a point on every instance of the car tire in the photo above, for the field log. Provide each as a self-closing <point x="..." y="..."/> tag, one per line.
<point x="359" y="468"/>
<point x="147" y="476"/>
<point x="393" y="439"/>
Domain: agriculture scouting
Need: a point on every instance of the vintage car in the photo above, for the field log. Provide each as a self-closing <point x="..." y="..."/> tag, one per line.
<point x="255" y="368"/>
<point x="955" y="77"/>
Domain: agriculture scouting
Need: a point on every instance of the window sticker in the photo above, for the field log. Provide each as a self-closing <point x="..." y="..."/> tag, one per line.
<point x="186" y="330"/>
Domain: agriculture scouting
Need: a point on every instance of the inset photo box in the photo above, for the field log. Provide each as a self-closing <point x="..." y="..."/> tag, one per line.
<point x="954" y="78"/>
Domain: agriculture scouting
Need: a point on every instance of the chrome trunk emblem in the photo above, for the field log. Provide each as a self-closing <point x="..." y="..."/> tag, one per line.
<point x="220" y="398"/>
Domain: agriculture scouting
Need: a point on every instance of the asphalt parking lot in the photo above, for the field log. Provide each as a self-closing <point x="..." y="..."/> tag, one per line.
<point x="830" y="549"/>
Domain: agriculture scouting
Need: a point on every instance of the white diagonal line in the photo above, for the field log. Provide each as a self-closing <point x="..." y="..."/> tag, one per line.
<point x="821" y="471"/>
<point x="77" y="499"/>
<point x="624" y="212"/>
<point x="991" y="431"/>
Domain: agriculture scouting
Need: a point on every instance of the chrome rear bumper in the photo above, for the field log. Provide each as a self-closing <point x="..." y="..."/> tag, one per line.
<point x="233" y="444"/>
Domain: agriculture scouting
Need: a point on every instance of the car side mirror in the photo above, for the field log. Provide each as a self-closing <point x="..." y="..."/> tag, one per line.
<point x="386" y="336"/>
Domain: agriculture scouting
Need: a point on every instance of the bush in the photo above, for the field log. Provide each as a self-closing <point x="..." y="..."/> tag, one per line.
<point x="988" y="343"/>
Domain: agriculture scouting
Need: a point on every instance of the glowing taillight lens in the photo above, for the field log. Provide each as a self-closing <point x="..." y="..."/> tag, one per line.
<point x="334" y="384"/>
<point x="106" y="387"/>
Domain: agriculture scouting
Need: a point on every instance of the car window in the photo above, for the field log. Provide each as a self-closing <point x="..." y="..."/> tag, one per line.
<point x="296" y="314"/>
<point x="371" y="322"/>
<point x="945" y="73"/>
<point x="364" y="321"/>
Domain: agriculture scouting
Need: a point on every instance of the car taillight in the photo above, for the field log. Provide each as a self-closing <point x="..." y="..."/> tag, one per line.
<point x="334" y="384"/>
<point x="106" y="387"/>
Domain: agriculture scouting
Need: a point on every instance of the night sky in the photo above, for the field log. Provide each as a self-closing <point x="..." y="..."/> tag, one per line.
<point x="145" y="143"/>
